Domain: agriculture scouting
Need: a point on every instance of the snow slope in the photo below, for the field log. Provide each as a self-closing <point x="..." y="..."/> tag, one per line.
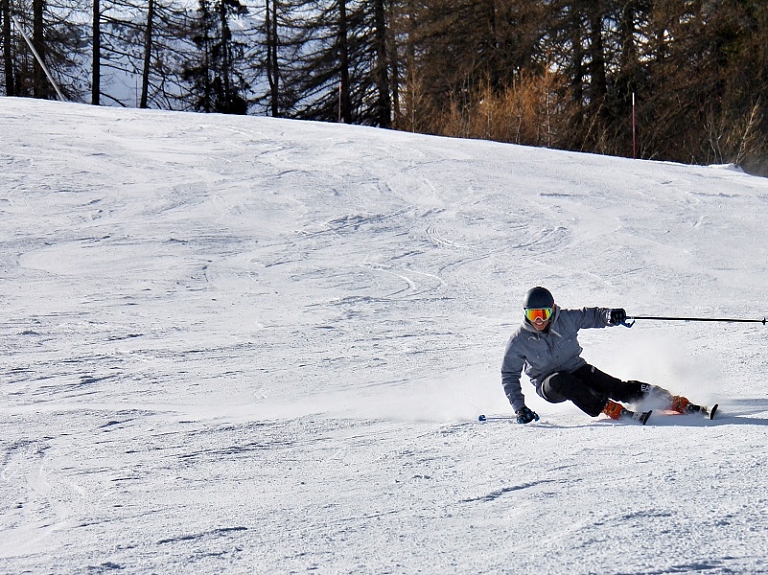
<point x="248" y="345"/>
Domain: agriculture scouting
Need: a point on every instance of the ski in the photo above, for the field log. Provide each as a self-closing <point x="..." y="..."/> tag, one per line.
<point x="708" y="412"/>
<point x="639" y="416"/>
<point x="693" y="409"/>
<point x="642" y="416"/>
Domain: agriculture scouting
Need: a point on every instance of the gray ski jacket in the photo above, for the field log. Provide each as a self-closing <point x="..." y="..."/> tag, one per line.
<point x="540" y="354"/>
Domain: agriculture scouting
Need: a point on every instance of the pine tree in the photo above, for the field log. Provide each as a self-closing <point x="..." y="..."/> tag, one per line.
<point x="5" y="15"/>
<point x="216" y="82"/>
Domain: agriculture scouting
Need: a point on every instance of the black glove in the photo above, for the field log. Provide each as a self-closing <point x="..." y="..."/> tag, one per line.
<point x="525" y="415"/>
<point x="618" y="316"/>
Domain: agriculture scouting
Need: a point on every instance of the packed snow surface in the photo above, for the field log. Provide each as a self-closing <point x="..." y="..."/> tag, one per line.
<point x="251" y="345"/>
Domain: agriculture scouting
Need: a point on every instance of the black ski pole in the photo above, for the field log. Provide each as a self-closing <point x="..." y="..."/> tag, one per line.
<point x="720" y="319"/>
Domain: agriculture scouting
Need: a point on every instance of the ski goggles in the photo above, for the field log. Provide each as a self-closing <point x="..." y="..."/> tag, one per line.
<point x="542" y="313"/>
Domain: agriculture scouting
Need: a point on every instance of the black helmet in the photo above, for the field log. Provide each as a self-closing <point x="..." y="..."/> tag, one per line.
<point x="537" y="298"/>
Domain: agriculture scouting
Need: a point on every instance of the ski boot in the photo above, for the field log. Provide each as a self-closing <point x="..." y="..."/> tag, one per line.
<point x="617" y="411"/>
<point x="683" y="405"/>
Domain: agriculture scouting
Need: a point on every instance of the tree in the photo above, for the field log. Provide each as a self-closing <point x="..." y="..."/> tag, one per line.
<point x="147" y="63"/>
<point x="143" y="50"/>
<point x="335" y="61"/>
<point x="39" y="80"/>
<point x="56" y="38"/>
<point x="465" y="58"/>
<point x="272" y="63"/>
<point x="96" y="82"/>
<point x="5" y="14"/>
<point x="708" y="77"/>
<point x="342" y="44"/>
<point x="216" y="83"/>
<point x="383" y="112"/>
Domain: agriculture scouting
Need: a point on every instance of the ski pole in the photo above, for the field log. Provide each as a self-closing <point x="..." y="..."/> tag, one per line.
<point x="666" y="318"/>
<point x="492" y="417"/>
<point x="504" y="417"/>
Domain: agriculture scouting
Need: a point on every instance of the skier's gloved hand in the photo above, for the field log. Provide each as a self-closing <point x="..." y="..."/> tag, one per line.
<point x="617" y="316"/>
<point x="525" y="415"/>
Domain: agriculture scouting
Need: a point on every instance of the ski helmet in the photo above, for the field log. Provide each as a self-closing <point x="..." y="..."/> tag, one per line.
<point x="537" y="298"/>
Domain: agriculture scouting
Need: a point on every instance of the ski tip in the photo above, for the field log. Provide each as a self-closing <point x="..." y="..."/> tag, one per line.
<point x="645" y="416"/>
<point x="481" y="418"/>
<point x="712" y="411"/>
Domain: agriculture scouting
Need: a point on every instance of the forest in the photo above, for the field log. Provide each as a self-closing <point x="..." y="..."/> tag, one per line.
<point x="673" y="80"/>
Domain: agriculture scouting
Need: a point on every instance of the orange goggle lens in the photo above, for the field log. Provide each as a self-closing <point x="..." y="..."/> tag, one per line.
<point x="543" y="313"/>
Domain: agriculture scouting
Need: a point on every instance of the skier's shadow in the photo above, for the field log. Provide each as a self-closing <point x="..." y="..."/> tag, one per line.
<point x="693" y="421"/>
<point x="740" y="412"/>
<point x="740" y="420"/>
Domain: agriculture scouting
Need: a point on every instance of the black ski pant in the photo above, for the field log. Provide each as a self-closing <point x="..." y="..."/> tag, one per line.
<point x="590" y="389"/>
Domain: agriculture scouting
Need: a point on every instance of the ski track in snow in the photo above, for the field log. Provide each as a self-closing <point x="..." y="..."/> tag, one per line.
<point x="247" y="345"/>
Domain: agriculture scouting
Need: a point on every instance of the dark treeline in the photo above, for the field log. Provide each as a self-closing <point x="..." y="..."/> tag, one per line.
<point x="681" y="80"/>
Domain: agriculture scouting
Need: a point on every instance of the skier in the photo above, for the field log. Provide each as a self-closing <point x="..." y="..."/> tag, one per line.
<point x="546" y="347"/>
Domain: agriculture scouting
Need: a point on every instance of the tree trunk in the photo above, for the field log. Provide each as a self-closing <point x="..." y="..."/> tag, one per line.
<point x="394" y="77"/>
<point x="96" y="84"/>
<point x="598" y="81"/>
<point x="226" y="72"/>
<point x="206" y="42"/>
<point x="10" y="89"/>
<point x="147" y="55"/>
<point x="345" y="101"/>
<point x="273" y="75"/>
<point x="383" y="111"/>
<point x="40" y="82"/>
